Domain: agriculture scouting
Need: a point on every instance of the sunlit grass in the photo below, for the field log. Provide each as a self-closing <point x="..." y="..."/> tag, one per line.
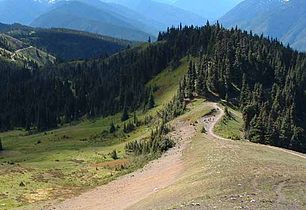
<point x="230" y="127"/>
<point x="73" y="158"/>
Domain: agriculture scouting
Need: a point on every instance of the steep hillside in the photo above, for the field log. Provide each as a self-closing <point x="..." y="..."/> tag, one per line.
<point x="10" y="43"/>
<point x="284" y="20"/>
<point x="14" y="50"/>
<point x="85" y="147"/>
<point x="66" y="44"/>
<point x="84" y="17"/>
<point x="72" y="45"/>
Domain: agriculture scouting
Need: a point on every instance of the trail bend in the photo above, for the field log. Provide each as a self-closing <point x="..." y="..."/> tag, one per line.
<point x="220" y="114"/>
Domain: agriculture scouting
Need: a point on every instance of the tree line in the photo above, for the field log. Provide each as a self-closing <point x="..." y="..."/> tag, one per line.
<point x="260" y="75"/>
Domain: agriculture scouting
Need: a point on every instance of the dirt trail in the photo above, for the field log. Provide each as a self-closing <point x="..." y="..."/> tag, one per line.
<point x="134" y="187"/>
<point x="17" y="51"/>
<point x="218" y="117"/>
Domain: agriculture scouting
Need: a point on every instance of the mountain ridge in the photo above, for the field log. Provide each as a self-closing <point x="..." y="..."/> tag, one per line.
<point x="79" y="16"/>
<point x="65" y="44"/>
<point x="280" y="19"/>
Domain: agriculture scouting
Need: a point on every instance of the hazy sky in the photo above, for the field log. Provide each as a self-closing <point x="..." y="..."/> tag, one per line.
<point x="166" y="1"/>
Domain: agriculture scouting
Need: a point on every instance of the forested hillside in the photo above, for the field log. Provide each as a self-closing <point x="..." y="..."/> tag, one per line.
<point x="66" y="44"/>
<point x="21" y="53"/>
<point x="261" y="76"/>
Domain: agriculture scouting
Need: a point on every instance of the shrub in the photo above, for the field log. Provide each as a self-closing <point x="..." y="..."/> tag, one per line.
<point x="166" y="144"/>
<point x="114" y="155"/>
<point x="112" y="128"/>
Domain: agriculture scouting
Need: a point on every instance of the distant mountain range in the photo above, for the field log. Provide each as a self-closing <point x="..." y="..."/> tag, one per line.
<point x="137" y="20"/>
<point x="124" y="19"/>
<point x="85" y="17"/>
<point x="164" y="14"/>
<point x="282" y="19"/>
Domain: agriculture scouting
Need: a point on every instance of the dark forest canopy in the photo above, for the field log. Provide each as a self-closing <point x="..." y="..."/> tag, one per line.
<point x="260" y="75"/>
<point x="66" y="44"/>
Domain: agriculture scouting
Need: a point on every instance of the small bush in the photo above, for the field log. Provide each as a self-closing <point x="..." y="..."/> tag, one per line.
<point x="112" y="128"/>
<point x="114" y="155"/>
<point x="166" y="144"/>
<point x="22" y="184"/>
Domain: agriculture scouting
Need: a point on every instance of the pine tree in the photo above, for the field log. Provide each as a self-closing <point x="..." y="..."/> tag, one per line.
<point x="151" y="101"/>
<point x="135" y="119"/>
<point x="201" y="88"/>
<point x="190" y="88"/>
<point x="125" y="115"/>
<point x="112" y="128"/>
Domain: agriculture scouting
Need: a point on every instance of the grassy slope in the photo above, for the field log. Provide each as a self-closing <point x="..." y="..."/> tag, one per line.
<point x="167" y="82"/>
<point x="16" y="50"/>
<point x="33" y="54"/>
<point x="230" y="127"/>
<point x="232" y="174"/>
<point x="68" y="160"/>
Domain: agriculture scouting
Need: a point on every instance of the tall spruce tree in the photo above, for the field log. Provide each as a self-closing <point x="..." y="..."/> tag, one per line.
<point x="151" y="101"/>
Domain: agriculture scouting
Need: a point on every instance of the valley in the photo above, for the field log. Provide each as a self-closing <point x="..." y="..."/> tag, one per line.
<point x="138" y="105"/>
<point x="62" y="163"/>
<point x="70" y="161"/>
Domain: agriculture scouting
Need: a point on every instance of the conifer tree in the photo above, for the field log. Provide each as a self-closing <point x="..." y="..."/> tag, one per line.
<point x="151" y="101"/>
<point x="112" y="128"/>
<point x="125" y="115"/>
